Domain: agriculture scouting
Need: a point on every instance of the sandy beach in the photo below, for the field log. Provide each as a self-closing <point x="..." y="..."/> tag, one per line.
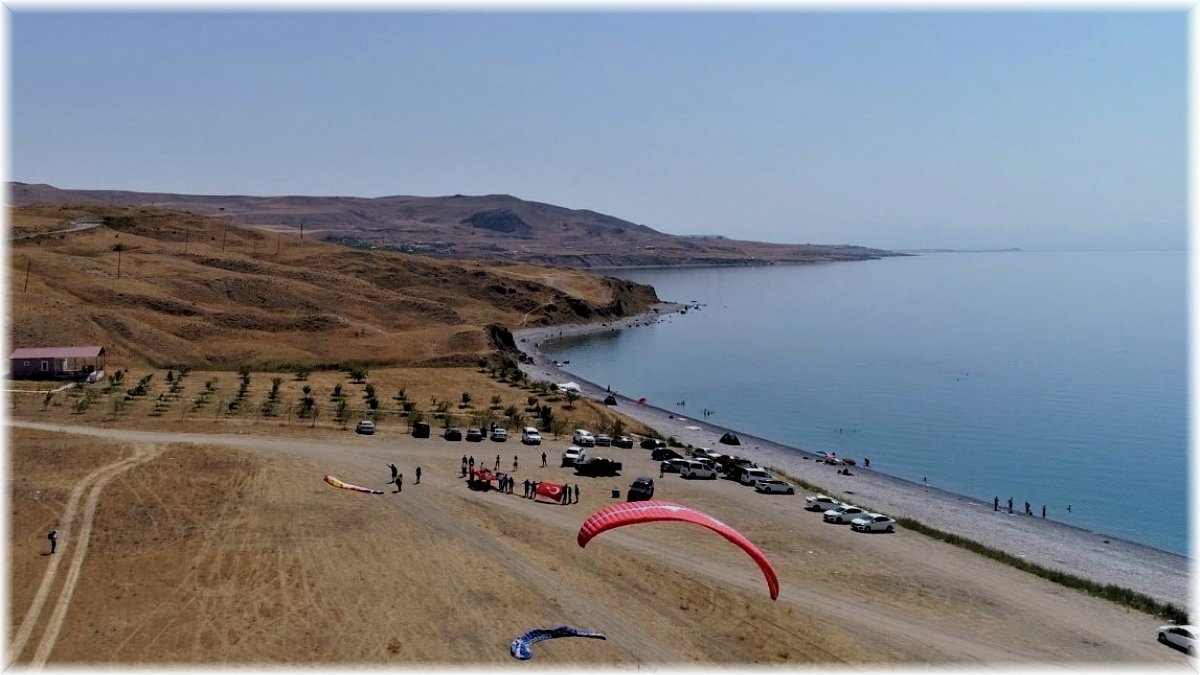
<point x="1158" y="574"/>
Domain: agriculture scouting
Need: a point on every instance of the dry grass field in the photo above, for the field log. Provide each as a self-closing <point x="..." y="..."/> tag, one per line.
<point x="228" y="549"/>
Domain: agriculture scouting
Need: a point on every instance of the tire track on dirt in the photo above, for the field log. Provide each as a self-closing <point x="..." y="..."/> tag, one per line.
<point x="66" y="527"/>
<point x="77" y="545"/>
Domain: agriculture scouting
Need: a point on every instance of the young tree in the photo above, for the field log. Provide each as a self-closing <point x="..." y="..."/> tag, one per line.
<point x="302" y="371"/>
<point x="341" y="414"/>
<point x="572" y="396"/>
<point x="358" y="372"/>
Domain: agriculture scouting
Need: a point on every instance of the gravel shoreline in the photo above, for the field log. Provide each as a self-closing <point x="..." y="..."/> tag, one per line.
<point x="1104" y="559"/>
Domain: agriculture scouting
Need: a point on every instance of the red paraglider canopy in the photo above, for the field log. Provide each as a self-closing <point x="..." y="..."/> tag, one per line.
<point x="631" y="513"/>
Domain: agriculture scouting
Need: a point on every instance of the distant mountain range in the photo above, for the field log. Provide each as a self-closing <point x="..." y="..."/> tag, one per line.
<point x="489" y="227"/>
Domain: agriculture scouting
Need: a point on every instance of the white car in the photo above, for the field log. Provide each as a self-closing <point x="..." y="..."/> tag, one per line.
<point x="820" y="503"/>
<point x="603" y="439"/>
<point x="844" y="514"/>
<point x="365" y="427"/>
<point x="774" y="486"/>
<point x="530" y="436"/>
<point x="1182" y="637"/>
<point x="500" y="434"/>
<point x="573" y="455"/>
<point x="873" y="522"/>
<point x="694" y="469"/>
<point x="583" y="437"/>
<point x="752" y="476"/>
<point x="673" y="465"/>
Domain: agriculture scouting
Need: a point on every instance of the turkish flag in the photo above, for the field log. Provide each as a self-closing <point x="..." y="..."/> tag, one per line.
<point x="552" y="490"/>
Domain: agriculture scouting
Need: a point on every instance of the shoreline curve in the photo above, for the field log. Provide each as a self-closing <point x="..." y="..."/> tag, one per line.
<point x="1105" y="559"/>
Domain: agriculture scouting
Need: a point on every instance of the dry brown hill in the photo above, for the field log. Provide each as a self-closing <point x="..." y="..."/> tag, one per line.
<point x="497" y="227"/>
<point x="161" y="287"/>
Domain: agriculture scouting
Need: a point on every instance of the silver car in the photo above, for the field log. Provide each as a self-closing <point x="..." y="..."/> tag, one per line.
<point x="1180" y="637"/>
<point x="873" y="522"/>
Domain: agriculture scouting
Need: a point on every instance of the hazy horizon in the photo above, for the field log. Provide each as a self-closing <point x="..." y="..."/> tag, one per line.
<point x="897" y="130"/>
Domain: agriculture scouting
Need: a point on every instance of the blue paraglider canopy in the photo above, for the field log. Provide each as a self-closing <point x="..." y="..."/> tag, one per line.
<point x="520" y="647"/>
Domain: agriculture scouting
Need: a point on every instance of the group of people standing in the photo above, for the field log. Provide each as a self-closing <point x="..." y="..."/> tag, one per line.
<point x="398" y="478"/>
<point x="1028" y="507"/>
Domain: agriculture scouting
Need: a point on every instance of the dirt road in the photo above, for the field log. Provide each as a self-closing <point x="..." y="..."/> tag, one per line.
<point x="229" y="549"/>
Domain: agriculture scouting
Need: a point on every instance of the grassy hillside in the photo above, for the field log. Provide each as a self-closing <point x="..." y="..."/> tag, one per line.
<point x="163" y="287"/>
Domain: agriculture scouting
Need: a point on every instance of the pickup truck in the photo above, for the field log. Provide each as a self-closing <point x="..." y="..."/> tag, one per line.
<point x="598" y="466"/>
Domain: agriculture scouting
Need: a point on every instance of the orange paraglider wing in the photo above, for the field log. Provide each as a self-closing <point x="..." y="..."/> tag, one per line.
<point x="632" y="513"/>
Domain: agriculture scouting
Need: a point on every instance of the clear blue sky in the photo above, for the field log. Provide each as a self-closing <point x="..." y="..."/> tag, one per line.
<point x="897" y="130"/>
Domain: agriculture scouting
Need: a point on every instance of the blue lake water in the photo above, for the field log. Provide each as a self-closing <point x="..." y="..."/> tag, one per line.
<point x="1053" y="378"/>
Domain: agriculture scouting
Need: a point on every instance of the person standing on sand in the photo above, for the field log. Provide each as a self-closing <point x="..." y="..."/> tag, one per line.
<point x="996" y="504"/>
<point x="497" y="462"/>
<point x="1043" y="511"/>
<point x="464" y="466"/>
<point x="471" y="463"/>
<point x="1028" y="512"/>
<point x="53" y="537"/>
<point x="543" y="459"/>
<point x="1010" y="506"/>
<point x="399" y="482"/>
<point x="514" y="462"/>
<point x="394" y="472"/>
<point x="418" y="476"/>
<point x="577" y="493"/>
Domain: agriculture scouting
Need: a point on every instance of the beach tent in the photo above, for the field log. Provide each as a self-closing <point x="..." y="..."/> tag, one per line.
<point x="730" y="439"/>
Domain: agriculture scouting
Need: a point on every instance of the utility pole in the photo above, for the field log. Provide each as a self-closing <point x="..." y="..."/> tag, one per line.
<point x="185" y="239"/>
<point x="301" y="231"/>
<point x="278" y="241"/>
<point x="119" y="262"/>
<point x="28" y="264"/>
<point x="223" y="231"/>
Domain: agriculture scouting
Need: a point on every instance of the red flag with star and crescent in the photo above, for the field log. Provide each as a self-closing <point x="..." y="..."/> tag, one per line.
<point x="551" y="490"/>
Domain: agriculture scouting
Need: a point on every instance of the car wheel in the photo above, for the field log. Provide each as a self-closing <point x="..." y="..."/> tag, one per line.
<point x="791" y="491"/>
<point x="889" y="528"/>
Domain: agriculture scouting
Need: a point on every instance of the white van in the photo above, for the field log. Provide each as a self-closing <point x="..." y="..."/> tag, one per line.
<point x="752" y="475"/>
<point x="574" y="455"/>
<point x="697" y="469"/>
<point x="530" y="436"/>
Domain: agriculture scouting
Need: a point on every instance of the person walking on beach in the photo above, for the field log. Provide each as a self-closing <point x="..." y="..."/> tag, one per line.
<point x="394" y="472"/>
<point x="53" y="537"/>
<point x="1028" y="512"/>
<point x="867" y="464"/>
<point x="1043" y="511"/>
<point x="399" y="482"/>
<point x="418" y="481"/>
<point x="1010" y="506"/>
<point x="996" y="504"/>
<point x="543" y="459"/>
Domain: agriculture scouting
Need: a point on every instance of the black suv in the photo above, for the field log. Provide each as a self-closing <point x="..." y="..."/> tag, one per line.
<point x="653" y="444"/>
<point x="452" y="434"/>
<point x="640" y="490"/>
<point x="661" y="454"/>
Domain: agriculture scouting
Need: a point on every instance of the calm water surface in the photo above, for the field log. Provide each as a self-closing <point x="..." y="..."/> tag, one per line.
<point x="1053" y="378"/>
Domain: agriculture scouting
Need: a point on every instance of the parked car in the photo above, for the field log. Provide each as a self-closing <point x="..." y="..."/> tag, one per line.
<point x="738" y="470"/>
<point x="774" y="486"/>
<point x="622" y="442"/>
<point x="597" y="466"/>
<point x="674" y="465"/>
<point x="583" y="437"/>
<point x="653" y="444"/>
<point x="499" y="434"/>
<point x="873" y="522"/>
<point x="452" y="434"/>
<point x="707" y="453"/>
<point x="603" y="440"/>
<point x="474" y="435"/>
<point x="531" y="436"/>
<point x="572" y="455"/>
<point x="844" y="514"/>
<point x="661" y="454"/>
<point x="695" y="469"/>
<point x="752" y="475"/>
<point x="821" y="503"/>
<point x="365" y="427"/>
<point x="640" y="490"/>
<point x="1180" y="637"/>
<point x="420" y="430"/>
